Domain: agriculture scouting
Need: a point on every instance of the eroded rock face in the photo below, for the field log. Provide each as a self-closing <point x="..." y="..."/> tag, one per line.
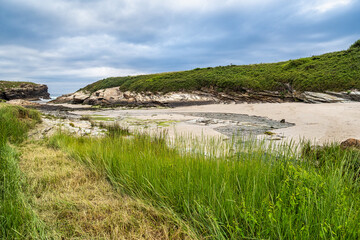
<point x="115" y="97"/>
<point x="25" y="91"/>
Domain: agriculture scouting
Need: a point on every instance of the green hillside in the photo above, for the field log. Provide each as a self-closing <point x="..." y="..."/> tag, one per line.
<point x="336" y="71"/>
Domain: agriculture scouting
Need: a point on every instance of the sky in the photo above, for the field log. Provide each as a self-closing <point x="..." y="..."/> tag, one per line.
<point x="68" y="44"/>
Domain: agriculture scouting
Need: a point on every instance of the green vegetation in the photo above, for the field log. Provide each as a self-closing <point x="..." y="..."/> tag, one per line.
<point x="356" y="45"/>
<point x="17" y="220"/>
<point x="10" y="84"/>
<point x="15" y="121"/>
<point x="337" y="71"/>
<point x="254" y="192"/>
<point x="148" y="122"/>
<point x="101" y="118"/>
<point x="203" y="187"/>
<point x="46" y="195"/>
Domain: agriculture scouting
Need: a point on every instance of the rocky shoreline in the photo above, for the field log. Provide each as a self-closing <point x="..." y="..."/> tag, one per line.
<point x="115" y="97"/>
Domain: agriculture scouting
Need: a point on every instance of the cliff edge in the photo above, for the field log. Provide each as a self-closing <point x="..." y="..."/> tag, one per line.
<point x="23" y="90"/>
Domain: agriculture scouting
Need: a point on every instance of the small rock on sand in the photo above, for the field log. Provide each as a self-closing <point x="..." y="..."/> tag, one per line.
<point x="350" y="143"/>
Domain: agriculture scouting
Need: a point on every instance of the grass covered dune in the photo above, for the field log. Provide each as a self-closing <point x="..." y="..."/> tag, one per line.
<point x="256" y="192"/>
<point x="336" y="71"/>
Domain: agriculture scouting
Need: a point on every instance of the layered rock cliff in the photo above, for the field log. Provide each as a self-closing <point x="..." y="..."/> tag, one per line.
<point x="115" y="97"/>
<point x="23" y="90"/>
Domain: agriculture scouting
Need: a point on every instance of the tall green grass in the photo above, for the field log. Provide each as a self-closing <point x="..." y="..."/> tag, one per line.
<point x="254" y="192"/>
<point x="15" y="121"/>
<point x="17" y="221"/>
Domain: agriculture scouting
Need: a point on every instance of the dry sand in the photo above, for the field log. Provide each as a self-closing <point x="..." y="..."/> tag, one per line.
<point x="317" y="122"/>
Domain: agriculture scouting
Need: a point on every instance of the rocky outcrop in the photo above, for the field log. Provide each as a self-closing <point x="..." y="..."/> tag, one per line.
<point x="350" y="143"/>
<point x="25" y="91"/>
<point x="115" y="97"/>
<point x="315" y="97"/>
<point x="330" y="97"/>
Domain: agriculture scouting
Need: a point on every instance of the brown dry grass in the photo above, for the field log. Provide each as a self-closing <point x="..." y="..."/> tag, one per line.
<point x="76" y="203"/>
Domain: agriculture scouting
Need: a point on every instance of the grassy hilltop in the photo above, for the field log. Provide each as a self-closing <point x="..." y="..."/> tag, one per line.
<point x="336" y="71"/>
<point x="11" y="84"/>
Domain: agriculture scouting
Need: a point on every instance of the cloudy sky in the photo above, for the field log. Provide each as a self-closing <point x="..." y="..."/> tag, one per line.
<point x="67" y="44"/>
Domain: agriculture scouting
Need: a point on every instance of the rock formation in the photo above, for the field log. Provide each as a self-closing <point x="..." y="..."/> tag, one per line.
<point x="350" y="143"/>
<point x="115" y="97"/>
<point x="28" y="91"/>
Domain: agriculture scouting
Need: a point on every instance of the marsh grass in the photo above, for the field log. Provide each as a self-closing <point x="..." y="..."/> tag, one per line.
<point x="252" y="191"/>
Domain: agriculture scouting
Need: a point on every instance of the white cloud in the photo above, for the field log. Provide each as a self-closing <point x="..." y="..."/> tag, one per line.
<point x="102" y="44"/>
<point x="107" y="14"/>
<point x="212" y="5"/>
<point x="32" y="64"/>
<point x="323" y="6"/>
<point x="102" y="72"/>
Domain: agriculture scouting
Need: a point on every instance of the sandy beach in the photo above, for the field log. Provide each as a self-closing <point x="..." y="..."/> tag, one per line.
<point x="317" y="122"/>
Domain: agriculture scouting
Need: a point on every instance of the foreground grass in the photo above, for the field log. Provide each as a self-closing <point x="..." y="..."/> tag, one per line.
<point x="77" y="203"/>
<point x="17" y="220"/>
<point x="336" y="71"/>
<point x="46" y="195"/>
<point x="256" y="193"/>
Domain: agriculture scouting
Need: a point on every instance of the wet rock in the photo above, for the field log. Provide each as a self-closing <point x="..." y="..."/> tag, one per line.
<point x="238" y="124"/>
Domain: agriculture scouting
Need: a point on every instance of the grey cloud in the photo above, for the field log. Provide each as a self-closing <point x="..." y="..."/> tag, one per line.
<point x="68" y="44"/>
